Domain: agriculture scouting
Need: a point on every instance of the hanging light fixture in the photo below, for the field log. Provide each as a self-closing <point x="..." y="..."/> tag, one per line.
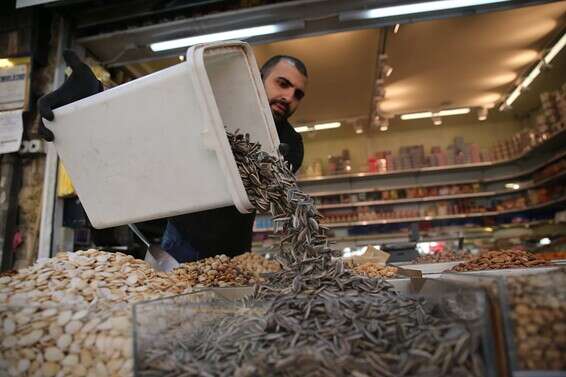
<point x="436" y="119"/>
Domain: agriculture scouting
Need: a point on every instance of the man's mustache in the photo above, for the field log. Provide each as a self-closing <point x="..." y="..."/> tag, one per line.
<point x="282" y="103"/>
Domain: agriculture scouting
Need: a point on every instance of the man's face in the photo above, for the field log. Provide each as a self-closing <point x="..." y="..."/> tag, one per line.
<point x="285" y="88"/>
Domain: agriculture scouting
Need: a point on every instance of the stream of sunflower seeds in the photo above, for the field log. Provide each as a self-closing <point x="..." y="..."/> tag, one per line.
<point x="314" y="317"/>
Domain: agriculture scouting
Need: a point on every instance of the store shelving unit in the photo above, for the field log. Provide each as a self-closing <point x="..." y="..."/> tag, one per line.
<point x="446" y="217"/>
<point x="550" y="143"/>
<point x="445" y="197"/>
<point x="561" y="200"/>
<point x="490" y="178"/>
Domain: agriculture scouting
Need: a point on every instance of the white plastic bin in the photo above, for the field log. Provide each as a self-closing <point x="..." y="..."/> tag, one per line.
<point x="156" y="147"/>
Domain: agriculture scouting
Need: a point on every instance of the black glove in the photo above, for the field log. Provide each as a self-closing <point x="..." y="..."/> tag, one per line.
<point x="81" y="84"/>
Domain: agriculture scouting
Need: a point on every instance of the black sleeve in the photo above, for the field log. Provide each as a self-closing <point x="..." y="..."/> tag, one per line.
<point x="300" y="153"/>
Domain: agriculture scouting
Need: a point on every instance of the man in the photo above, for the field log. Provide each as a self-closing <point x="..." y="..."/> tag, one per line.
<point x="223" y="230"/>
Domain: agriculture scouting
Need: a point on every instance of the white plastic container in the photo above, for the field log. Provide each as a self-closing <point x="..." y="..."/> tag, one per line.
<point x="156" y="147"/>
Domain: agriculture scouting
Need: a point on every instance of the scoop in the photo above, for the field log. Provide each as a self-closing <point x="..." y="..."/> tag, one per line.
<point x="158" y="258"/>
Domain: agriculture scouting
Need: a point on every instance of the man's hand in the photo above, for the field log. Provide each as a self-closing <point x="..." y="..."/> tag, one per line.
<point x="81" y="84"/>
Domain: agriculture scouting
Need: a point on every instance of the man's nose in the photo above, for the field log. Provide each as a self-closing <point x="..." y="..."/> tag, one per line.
<point x="288" y="95"/>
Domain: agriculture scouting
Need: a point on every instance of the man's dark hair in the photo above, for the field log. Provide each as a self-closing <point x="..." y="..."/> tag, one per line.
<point x="272" y="62"/>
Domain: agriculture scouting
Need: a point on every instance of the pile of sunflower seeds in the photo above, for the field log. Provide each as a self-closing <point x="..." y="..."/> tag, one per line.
<point x="272" y="188"/>
<point x="313" y="317"/>
<point x="328" y="322"/>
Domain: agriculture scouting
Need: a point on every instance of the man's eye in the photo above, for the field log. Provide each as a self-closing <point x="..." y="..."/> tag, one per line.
<point x="283" y="84"/>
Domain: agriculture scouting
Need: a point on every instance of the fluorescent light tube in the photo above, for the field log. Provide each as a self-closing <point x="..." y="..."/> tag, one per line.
<point x="532" y="75"/>
<point x="302" y="129"/>
<point x="429" y="6"/>
<point x="327" y="126"/>
<point x="464" y="110"/>
<point x="222" y="36"/>
<point x="426" y="114"/>
<point x="513" y="96"/>
<point x="555" y="49"/>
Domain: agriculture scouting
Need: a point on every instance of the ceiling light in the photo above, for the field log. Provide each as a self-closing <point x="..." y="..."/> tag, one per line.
<point x="436" y="120"/>
<point x="488" y="229"/>
<point x="544" y="241"/>
<point x="6" y="63"/>
<point x="426" y="114"/>
<point x="383" y="128"/>
<point x="396" y="28"/>
<point x="387" y="70"/>
<point x="302" y="129"/>
<point x="327" y="126"/>
<point x="460" y="111"/>
<point x="555" y="49"/>
<point x="531" y="76"/>
<point x="442" y="113"/>
<point x="429" y="6"/>
<point x="482" y="113"/>
<point x="359" y="131"/>
<point x="512" y="186"/>
<point x="222" y="36"/>
<point x="512" y="97"/>
<point x="181" y="57"/>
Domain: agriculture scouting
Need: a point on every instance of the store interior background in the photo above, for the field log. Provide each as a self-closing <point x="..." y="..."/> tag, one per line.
<point x="471" y="61"/>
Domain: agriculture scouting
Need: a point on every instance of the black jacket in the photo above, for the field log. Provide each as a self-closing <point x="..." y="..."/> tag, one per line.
<point x="225" y="230"/>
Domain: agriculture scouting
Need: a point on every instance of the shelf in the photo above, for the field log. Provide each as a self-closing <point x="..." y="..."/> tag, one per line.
<point x="450" y="183"/>
<point x="430" y="218"/>
<point x="446" y="217"/>
<point x="409" y="200"/>
<point x="468" y="233"/>
<point x="555" y="136"/>
<point x="441" y="197"/>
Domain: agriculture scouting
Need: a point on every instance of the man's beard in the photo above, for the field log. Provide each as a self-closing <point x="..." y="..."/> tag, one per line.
<point x="280" y="118"/>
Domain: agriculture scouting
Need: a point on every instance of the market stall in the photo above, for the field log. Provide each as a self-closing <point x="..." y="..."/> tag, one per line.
<point x="422" y="236"/>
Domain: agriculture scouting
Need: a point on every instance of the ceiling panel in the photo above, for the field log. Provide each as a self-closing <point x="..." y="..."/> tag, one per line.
<point x="463" y="61"/>
<point x="341" y="70"/>
<point x="466" y="61"/>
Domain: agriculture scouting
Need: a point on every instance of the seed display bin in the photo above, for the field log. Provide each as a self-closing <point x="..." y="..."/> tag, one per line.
<point x="166" y="326"/>
<point x="545" y="297"/>
<point x="493" y="286"/>
<point x="534" y="318"/>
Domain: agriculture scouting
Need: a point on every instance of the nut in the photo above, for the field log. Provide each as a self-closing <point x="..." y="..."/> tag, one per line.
<point x="492" y="260"/>
<point x="374" y="270"/>
<point x="538" y="304"/>
<point x="51" y="324"/>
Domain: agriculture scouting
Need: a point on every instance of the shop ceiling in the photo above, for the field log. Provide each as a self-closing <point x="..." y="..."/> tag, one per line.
<point x="470" y="60"/>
